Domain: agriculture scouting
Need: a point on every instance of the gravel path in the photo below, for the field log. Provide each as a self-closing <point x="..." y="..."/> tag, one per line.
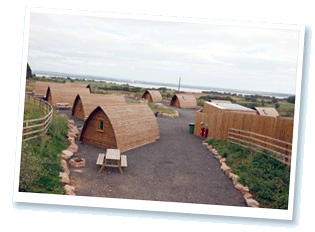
<point x="175" y="168"/>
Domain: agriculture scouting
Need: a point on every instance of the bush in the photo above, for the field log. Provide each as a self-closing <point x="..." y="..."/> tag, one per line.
<point x="291" y="99"/>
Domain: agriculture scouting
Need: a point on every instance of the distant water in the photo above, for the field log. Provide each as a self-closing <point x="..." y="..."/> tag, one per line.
<point x="151" y="85"/>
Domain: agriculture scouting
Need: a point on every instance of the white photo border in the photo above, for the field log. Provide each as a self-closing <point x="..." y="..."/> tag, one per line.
<point x="152" y="205"/>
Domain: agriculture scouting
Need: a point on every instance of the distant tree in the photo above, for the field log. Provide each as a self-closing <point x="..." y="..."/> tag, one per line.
<point x="291" y="99"/>
<point x="163" y="89"/>
<point x="274" y="100"/>
<point x="262" y="102"/>
<point x="28" y="71"/>
<point x="277" y="105"/>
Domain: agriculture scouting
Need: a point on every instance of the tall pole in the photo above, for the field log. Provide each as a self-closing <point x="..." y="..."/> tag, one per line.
<point x="179" y="84"/>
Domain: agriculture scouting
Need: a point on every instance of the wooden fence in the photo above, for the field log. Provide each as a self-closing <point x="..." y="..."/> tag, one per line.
<point x="279" y="149"/>
<point x="218" y="125"/>
<point x="35" y="128"/>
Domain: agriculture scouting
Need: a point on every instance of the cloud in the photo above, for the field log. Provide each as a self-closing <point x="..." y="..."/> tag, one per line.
<point x="131" y="48"/>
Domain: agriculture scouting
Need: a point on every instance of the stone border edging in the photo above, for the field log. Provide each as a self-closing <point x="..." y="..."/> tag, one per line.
<point x="73" y="133"/>
<point x="228" y="172"/>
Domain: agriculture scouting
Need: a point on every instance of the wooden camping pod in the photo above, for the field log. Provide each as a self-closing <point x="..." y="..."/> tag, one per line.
<point x="64" y="94"/>
<point x="152" y="96"/>
<point x="40" y="87"/>
<point x="267" y="111"/>
<point x="84" y="104"/>
<point x="122" y="127"/>
<point x="78" y="85"/>
<point x="184" y="101"/>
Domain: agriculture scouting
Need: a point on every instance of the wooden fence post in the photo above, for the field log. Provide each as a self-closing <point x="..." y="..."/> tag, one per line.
<point x="286" y="159"/>
<point x="43" y="126"/>
<point x="26" y="130"/>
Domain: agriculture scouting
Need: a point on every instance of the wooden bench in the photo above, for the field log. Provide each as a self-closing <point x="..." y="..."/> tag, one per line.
<point x="100" y="159"/>
<point x="123" y="161"/>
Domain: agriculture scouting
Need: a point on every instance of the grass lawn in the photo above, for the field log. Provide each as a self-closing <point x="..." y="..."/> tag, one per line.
<point x="267" y="178"/>
<point x="32" y="109"/>
<point x="161" y="110"/>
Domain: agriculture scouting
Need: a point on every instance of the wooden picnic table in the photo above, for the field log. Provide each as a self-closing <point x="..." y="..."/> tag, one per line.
<point x="62" y="105"/>
<point x="113" y="158"/>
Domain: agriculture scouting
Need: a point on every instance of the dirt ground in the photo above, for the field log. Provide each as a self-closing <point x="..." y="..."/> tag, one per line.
<point x="175" y="168"/>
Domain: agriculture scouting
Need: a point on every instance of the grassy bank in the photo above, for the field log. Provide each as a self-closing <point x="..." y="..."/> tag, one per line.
<point x="161" y="110"/>
<point x="267" y="178"/>
<point x="40" y="163"/>
<point x="32" y="110"/>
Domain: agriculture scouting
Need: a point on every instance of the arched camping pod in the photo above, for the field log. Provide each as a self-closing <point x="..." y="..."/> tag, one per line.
<point x="120" y="127"/>
<point x="184" y="101"/>
<point x="84" y="104"/>
<point x="40" y="87"/>
<point x="63" y="95"/>
<point x="78" y="85"/>
<point x="267" y="111"/>
<point x="152" y="96"/>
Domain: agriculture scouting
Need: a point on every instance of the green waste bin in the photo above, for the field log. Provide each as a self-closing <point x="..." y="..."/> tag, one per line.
<point x="191" y="128"/>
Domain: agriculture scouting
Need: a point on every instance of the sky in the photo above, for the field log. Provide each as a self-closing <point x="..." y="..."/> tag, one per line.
<point x="202" y="54"/>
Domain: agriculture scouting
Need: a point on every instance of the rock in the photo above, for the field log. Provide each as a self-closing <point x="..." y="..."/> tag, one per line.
<point x="70" y="139"/>
<point x="73" y="147"/>
<point x="218" y="157"/>
<point x="66" y="154"/>
<point x="75" y="130"/>
<point x="69" y="189"/>
<point x="64" y="178"/>
<point x="65" y="167"/>
<point x="210" y="148"/>
<point x="222" y="160"/>
<point x="77" y="162"/>
<point x="227" y="170"/>
<point x="71" y="121"/>
<point x="205" y="144"/>
<point x="70" y="126"/>
<point x="252" y="203"/>
<point x="233" y="176"/>
<point x="247" y="196"/>
<point x="238" y="186"/>
<point x="244" y="190"/>
<point x="71" y="134"/>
